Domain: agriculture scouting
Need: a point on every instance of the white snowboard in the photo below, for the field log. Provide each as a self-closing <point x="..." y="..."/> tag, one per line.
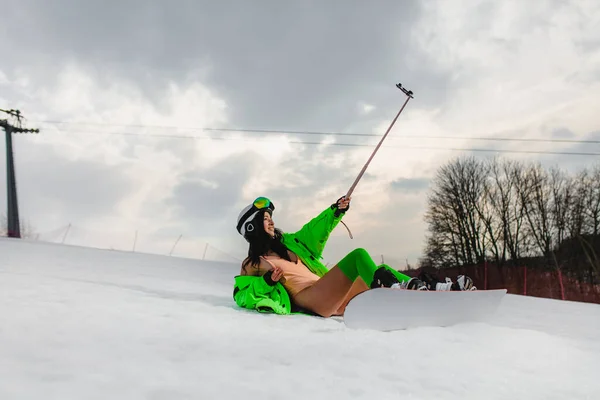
<point x="392" y="309"/>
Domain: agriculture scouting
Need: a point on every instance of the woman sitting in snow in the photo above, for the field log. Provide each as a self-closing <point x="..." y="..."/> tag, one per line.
<point x="283" y="272"/>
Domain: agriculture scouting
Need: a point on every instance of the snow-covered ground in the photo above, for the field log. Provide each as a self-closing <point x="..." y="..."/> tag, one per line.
<point x="81" y="323"/>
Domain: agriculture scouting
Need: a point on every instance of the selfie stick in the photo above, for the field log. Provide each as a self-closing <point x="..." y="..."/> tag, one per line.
<point x="409" y="95"/>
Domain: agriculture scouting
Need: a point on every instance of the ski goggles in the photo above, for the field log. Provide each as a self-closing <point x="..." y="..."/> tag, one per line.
<point x="258" y="204"/>
<point x="263" y="202"/>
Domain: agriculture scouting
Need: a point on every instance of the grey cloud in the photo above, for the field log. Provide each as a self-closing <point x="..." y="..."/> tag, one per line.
<point x="293" y="65"/>
<point x="278" y="65"/>
<point x="49" y="185"/>
<point x="566" y="162"/>
<point x="575" y="163"/>
<point x="562" y="133"/>
<point x="206" y="199"/>
<point x="410" y="184"/>
<point x="302" y="177"/>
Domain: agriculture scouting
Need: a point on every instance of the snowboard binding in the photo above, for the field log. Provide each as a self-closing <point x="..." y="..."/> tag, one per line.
<point x="463" y="282"/>
<point x="385" y="278"/>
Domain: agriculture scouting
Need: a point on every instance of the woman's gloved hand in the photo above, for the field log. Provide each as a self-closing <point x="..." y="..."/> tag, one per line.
<point x="341" y="205"/>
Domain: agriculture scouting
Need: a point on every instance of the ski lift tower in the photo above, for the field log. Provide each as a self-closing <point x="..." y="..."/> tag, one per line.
<point x="12" y="216"/>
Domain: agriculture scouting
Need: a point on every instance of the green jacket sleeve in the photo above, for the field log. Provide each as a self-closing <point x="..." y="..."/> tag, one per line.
<point x="253" y="292"/>
<point x="315" y="233"/>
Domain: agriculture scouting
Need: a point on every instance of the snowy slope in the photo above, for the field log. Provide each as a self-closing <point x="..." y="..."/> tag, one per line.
<point x="80" y="323"/>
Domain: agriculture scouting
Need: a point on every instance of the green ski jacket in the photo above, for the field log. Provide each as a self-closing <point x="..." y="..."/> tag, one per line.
<point x="253" y="292"/>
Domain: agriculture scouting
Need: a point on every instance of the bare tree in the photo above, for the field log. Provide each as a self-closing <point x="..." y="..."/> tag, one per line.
<point x="593" y="201"/>
<point x="456" y="207"/>
<point x="445" y="244"/>
<point x="507" y="212"/>
<point x="515" y="231"/>
<point x="588" y="219"/>
<point x="576" y="217"/>
<point x="514" y="211"/>
<point x="535" y="194"/>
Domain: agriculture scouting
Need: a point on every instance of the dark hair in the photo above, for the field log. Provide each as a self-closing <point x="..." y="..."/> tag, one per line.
<point x="261" y="242"/>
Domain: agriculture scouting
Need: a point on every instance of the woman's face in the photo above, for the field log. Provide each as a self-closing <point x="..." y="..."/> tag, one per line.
<point x="268" y="224"/>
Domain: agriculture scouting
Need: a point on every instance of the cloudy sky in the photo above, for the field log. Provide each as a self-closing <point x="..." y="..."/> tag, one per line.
<point x="126" y="94"/>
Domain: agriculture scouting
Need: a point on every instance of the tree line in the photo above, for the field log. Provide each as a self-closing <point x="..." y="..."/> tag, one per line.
<point x="514" y="212"/>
